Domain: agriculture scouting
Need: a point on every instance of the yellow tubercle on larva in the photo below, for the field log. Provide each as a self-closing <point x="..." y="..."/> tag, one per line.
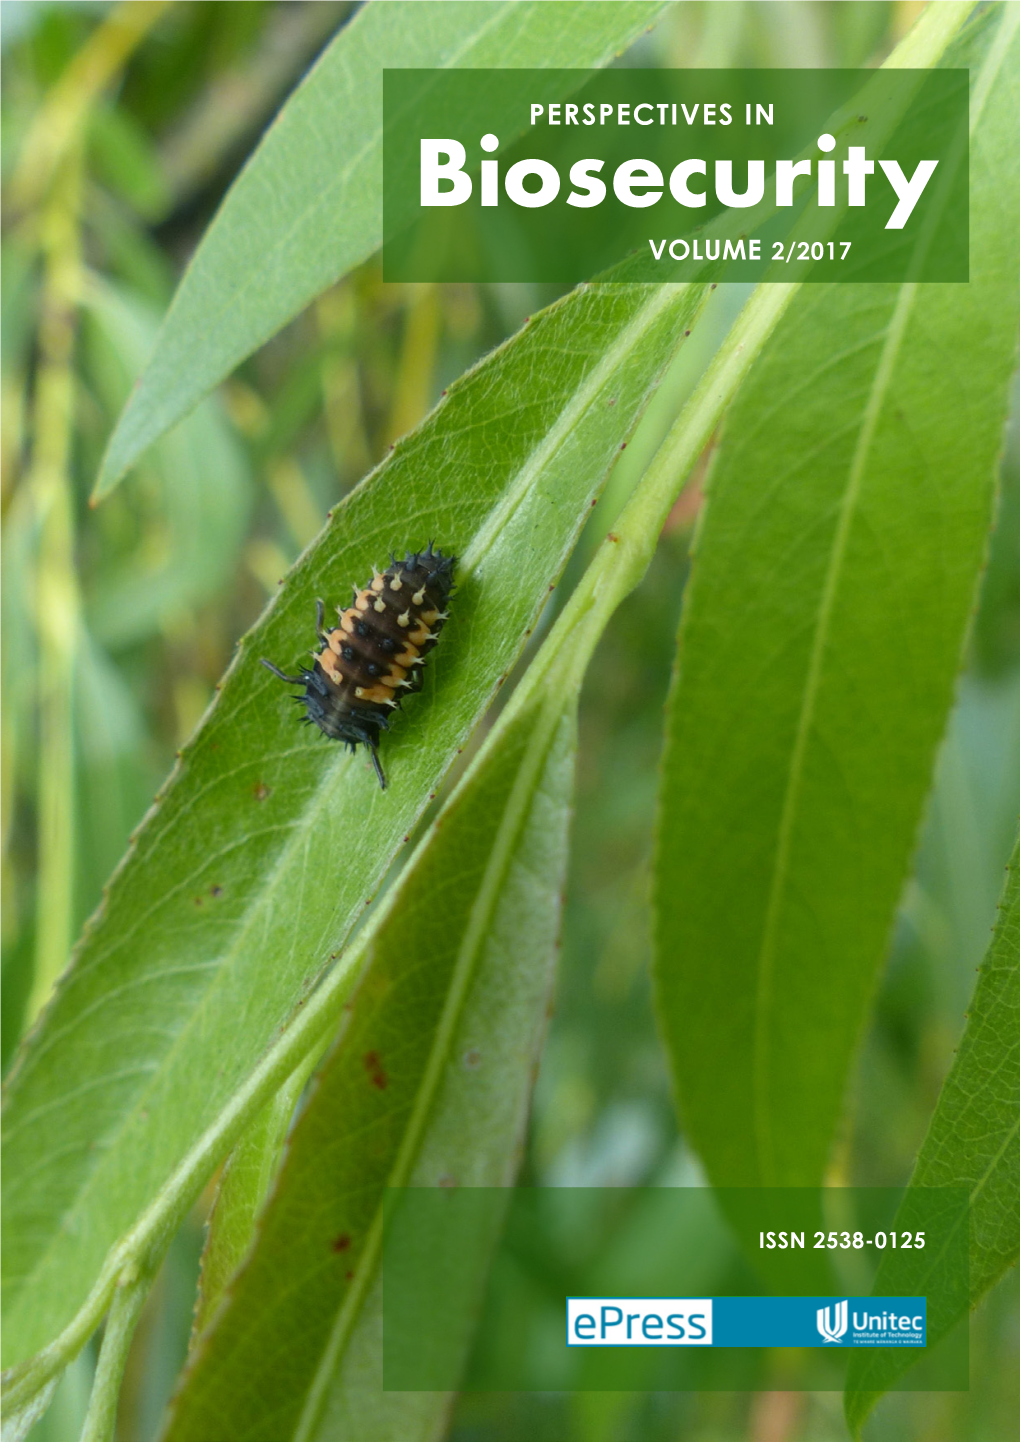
<point x="378" y="581"/>
<point x="379" y="605"/>
<point x="361" y="601"/>
<point x="418" y="597"/>
<point x="396" y="584"/>
<point x="404" y="619"/>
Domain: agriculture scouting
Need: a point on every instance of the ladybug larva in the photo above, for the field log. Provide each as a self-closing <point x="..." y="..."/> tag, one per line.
<point x="376" y="653"/>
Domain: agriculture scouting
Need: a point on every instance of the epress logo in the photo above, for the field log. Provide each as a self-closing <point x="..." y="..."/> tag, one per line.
<point x="639" y="1322"/>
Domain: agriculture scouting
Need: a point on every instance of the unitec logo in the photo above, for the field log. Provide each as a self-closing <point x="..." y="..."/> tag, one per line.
<point x="832" y="1327"/>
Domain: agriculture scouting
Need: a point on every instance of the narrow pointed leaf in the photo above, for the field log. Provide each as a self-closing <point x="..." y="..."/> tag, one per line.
<point x="833" y="580"/>
<point x="268" y="841"/>
<point x="973" y="1142"/>
<point x="308" y="206"/>
<point x="428" y="1086"/>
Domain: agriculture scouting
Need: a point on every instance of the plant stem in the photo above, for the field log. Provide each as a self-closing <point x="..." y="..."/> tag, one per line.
<point x="125" y="1309"/>
<point x="56" y="600"/>
<point x="57" y="128"/>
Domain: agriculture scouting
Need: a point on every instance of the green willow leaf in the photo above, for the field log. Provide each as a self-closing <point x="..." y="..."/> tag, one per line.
<point x="308" y="206"/>
<point x="268" y="842"/>
<point x="973" y="1142"/>
<point x="832" y="583"/>
<point x="428" y="1086"/>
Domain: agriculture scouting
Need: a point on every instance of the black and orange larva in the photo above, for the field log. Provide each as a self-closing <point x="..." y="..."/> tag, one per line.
<point x="376" y="654"/>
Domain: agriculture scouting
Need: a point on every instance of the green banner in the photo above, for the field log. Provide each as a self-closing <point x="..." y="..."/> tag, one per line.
<point x="652" y="175"/>
<point x="478" y="1282"/>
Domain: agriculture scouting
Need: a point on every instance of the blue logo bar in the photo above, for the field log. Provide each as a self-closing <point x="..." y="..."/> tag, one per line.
<point x="746" y="1321"/>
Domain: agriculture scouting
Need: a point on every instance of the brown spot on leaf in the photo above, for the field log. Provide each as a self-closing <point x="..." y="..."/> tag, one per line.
<point x="341" y="1243"/>
<point x="376" y="1073"/>
<point x="260" y="791"/>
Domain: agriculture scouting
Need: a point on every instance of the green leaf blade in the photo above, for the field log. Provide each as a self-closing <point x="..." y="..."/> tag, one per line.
<point x="428" y="1086"/>
<point x="268" y="841"/>
<point x="973" y="1142"/>
<point x="831" y="589"/>
<point x="308" y="206"/>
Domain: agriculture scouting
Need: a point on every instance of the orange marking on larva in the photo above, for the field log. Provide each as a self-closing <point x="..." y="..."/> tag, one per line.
<point x="429" y="616"/>
<point x="335" y="640"/>
<point x="347" y="623"/>
<point x="420" y="634"/>
<point x="361" y="601"/>
<point x="378" y="582"/>
<point x="328" y="664"/>
<point x="407" y="657"/>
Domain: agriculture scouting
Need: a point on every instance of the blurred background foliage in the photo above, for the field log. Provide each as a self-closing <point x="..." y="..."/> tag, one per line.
<point x="123" y="126"/>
